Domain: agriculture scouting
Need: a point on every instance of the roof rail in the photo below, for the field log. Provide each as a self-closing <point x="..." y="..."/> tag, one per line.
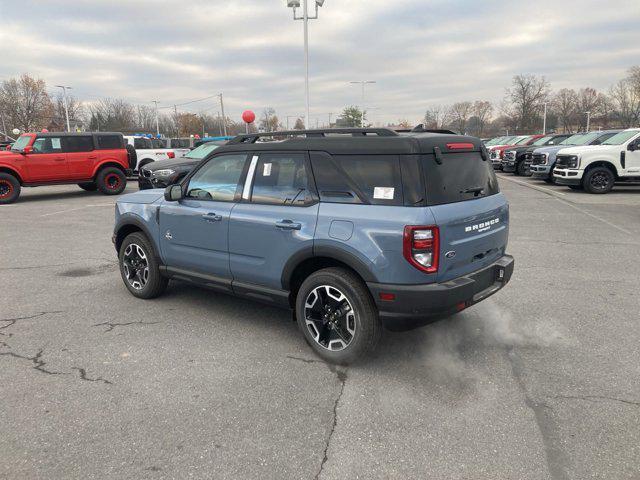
<point x="355" y="132"/>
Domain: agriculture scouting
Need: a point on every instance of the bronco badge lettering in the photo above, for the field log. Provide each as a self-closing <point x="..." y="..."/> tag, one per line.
<point x="482" y="227"/>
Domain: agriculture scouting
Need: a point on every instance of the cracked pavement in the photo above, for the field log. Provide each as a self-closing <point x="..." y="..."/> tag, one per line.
<point x="539" y="382"/>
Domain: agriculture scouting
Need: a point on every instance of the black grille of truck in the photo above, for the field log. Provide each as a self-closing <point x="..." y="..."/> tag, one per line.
<point x="538" y="159"/>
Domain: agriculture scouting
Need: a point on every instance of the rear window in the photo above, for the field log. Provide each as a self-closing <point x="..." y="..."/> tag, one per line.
<point x="140" y="143"/>
<point x="374" y="179"/>
<point x="460" y="177"/>
<point x="78" y="144"/>
<point x="109" y="142"/>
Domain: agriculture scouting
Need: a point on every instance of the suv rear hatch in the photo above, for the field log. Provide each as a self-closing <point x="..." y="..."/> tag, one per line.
<point x="464" y="197"/>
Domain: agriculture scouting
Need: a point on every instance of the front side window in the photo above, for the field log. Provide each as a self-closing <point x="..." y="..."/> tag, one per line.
<point x="620" y="138"/>
<point x="281" y="179"/>
<point x="47" y="145"/>
<point x="218" y="179"/>
<point x="78" y="144"/>
<point x="21" y="142"/>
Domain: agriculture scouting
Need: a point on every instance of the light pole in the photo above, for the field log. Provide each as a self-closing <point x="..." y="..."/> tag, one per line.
<point x="64" y="98"/>
<point x="224" y="119"/>
<point x="544" y="121"/>
<point x="363" y="83"/>
<point x="157" y="124"/>
<point x="305" y="18"/>
<point x="588" y="119"/>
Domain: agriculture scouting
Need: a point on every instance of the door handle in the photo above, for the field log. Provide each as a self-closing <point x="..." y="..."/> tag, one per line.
<point x="59" y="159"/>
<point x="92" y="157"/>
<point x="288" y="225"/>
<point x="212" y="217"/>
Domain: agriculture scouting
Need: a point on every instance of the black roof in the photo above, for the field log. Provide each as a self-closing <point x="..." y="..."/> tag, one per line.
<point x="349" y="141"/>
<point x="73" y="134"/>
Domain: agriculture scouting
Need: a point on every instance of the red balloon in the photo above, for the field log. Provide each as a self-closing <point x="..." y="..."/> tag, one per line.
<point x="248" y="116"/>
<point x="44" y="130"/>
<point x="197" y="136"/>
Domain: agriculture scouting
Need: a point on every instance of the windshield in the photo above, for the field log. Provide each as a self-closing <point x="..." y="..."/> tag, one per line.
<point x="202" y="151"/>
<point x="543" y="140"/>
<point x="620" y="138"/>
<point x="573" y="139"/>
<point x="22" y="142"/>
<point x="495" y="141"/>
<point x="522" y="140"/>
<point x="588" y="138"/>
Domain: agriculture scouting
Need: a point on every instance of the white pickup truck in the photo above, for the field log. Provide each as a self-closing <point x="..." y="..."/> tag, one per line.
<point x="597" y="168"/>
<point x="145" y="152"/>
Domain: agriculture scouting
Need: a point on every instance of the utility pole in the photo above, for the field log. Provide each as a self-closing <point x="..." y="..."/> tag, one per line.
<point x="363" y="83"/>
<point x="4" y="127"/>
<point x="175" y="111"/>
<point x="544" y="121"/>
<point x="588" y="120"/>
<point x="64" y="99"/>
<point x="157" y="124"/>
<point x="330" y="113"/>
<point x="224" y="118"/>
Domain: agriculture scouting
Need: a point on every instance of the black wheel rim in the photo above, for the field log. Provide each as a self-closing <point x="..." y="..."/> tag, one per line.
<point x="135" y="266"/>
<point x="5" y="188"/>
<point x="330" y="318"/>
<point x="600" y="181"/>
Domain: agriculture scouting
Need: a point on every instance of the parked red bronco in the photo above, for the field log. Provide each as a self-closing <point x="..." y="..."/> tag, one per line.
<point x="95" y="161"/>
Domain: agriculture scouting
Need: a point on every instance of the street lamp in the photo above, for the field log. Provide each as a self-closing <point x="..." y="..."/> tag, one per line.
<point x="295" y="4"/>
<point x="363" y="83"/>
<point x="224" y="119"/>
<point x="66" y="109"/>
<point x="588" y="114"/>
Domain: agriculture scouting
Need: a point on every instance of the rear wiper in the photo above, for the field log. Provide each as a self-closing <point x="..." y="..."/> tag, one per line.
<point x="475" y="190"/>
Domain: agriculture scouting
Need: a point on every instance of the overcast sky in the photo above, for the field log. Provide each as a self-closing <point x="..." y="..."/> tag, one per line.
<point x="420" y="52"/>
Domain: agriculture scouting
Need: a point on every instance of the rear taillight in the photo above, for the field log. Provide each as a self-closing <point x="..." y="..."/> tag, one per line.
<point x="421" y="247"/>
<point x="171" y="154"/>
<point x="460" y="146"/>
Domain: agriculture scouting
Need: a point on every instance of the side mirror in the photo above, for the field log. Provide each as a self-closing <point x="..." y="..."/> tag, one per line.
<point x="26" y="150"/>
<point x="173" y="193"/>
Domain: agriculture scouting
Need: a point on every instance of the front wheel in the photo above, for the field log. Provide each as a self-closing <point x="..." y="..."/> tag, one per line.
<point x="9" y="188"/>
<point x="139" y="268"/>
<point x="521" y="169"/>
<point x="111" y="181"/>
<point x="598" y="180"/>
<point x="337" y="315"/>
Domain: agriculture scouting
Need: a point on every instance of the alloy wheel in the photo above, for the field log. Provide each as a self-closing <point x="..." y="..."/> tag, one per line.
<point x="136" y="266"/>
<point x="330" y="318"/>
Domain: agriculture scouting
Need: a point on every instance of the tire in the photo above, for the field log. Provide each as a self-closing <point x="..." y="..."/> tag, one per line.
<point x="139" y="267"/>
<point x="111" y="181"/>
<point x="550" y="180"/>
<point x="88" y="186"/>
<point x="9" y="188"/>
<point x="350" y="336"/>
<point x="598" y="180"/>
<point x="521" y="169"/>
<point x="143" y="163"/>
<point x="133" y="157"/>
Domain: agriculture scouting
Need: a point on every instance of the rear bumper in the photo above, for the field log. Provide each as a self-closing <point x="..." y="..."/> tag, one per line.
<point x="417" y="305"/>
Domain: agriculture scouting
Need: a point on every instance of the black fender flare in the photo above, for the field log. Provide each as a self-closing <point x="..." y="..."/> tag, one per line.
<point x="327" y="251"/>
<point x="129" y="219"/>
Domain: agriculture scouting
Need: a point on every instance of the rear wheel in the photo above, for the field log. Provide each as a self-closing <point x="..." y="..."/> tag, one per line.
<point x="88" y="186"/>
<point x="598" y="180"/>
<point x="337" y="315"/>
<point x="111" y="181"/>
<point x="139" y="268"/>
<point x="9" y="188"/>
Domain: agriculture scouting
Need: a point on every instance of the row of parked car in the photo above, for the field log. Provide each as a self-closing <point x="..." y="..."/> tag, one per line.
<point x="591" y="161"/>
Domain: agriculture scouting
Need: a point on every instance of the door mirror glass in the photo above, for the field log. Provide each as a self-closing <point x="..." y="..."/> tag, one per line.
<point x="173" y="193"/>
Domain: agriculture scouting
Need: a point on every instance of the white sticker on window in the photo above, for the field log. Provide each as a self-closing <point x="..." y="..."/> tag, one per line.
<point x="267" y="170"/>
<point x="55" y="143"/>
<point x="383" y="193"/>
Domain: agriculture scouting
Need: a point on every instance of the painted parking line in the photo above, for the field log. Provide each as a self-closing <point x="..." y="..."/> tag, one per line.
<point x="535" y="187"/>
<point x="76" y="209"/>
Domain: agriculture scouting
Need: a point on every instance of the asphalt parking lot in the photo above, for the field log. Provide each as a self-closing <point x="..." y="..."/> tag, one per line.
<point x="540" y="381"/>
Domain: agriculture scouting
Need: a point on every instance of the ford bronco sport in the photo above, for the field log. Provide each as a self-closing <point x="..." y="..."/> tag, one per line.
<point x="353" y="229"/>
<point x="95" y="161"/>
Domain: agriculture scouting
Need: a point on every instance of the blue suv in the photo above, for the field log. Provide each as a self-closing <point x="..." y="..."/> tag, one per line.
<point x="353" y="229"/>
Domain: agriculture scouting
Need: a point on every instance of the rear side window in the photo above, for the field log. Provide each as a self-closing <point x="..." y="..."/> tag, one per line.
<point x="374" y="179"/>
<point x="281" y="179"/>
<point x="109" y="142"/>
<point x="460" y="177"/>
<point x="140" y="143"/>
<point x="78" y="144"/>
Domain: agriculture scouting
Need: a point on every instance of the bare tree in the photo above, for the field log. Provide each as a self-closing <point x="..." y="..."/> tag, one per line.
<point x="112" y="114"/>
<point x="299" y="125"/>
<point x="436" y="116"/>
<point x="76" y="111"/>
<point x="459" y="114"/>
<point x="269" y="121"/>
<point x="588" y="101"/>
<point x="565" y="104"/>
<point x="25" y="103"/>
<point x="527" y="96"/>
<point x="482" y="110"/>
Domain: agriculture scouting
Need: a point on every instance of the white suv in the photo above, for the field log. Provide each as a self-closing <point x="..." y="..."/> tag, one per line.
<point x="597" y="168"/>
